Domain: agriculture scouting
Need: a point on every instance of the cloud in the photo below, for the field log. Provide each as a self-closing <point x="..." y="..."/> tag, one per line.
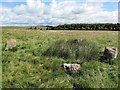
<point x="35" y="7"/>
<point x="57" y="12"/>
<point x="20" y="9"/>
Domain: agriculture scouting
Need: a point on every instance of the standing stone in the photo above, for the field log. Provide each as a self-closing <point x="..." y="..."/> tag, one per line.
<point x="110" y="53"/>
<point x="10" y="44"/>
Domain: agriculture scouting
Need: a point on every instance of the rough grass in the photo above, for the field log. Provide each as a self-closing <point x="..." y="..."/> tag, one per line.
<point x="26" y="67"/>
<point x="97" y="75"/>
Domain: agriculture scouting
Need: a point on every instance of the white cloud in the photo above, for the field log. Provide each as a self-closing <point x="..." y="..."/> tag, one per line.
<point x="20" y="9"/>
<point x="58" y="12"/>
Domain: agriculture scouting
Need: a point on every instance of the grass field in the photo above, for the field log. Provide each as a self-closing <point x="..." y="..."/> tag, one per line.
<point x="26" y="67"/>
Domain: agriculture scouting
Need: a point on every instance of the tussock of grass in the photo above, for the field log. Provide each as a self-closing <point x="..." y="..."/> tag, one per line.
<point x="84" y="50"/>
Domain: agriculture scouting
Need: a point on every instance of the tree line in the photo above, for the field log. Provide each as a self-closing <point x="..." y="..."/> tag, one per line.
<point x="101" y="26"/>
<point x="36" y="28"/>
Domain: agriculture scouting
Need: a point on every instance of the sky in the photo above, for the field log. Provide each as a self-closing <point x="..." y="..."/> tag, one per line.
<point x="55" y="12"/>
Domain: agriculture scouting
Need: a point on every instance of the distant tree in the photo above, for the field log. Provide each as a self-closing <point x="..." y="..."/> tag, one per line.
<point x="35" y="28"/>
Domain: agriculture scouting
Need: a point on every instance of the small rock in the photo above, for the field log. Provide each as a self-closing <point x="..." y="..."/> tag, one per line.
<point x="76" y="41"/>
<point x="73" y="68"/>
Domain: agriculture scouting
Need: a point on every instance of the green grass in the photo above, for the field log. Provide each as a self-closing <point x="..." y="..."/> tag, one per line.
<point x="25" y="66"/>
<point x="0" y="58"/>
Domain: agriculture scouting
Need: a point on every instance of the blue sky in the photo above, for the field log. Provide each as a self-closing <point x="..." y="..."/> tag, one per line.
<point x="12" y="4"/>
<point x="110" y="6"/>
<point x="54" y="12"/>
